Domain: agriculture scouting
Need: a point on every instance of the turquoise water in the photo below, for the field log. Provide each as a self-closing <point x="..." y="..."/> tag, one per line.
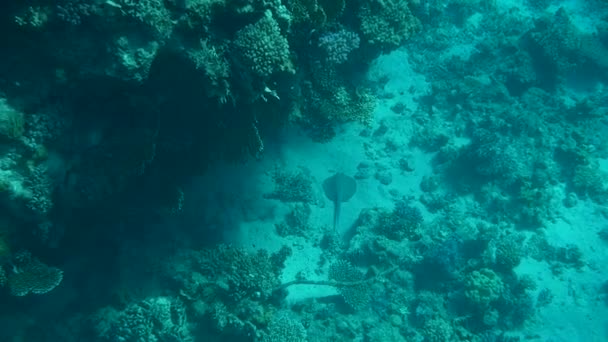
<point x="303" y="170"/>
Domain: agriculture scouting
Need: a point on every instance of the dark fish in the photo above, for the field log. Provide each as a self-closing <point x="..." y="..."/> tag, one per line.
<point x="339" y="188"/>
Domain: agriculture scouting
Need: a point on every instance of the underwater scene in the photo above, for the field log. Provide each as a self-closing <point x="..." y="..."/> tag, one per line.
<point x="304" y="170"/>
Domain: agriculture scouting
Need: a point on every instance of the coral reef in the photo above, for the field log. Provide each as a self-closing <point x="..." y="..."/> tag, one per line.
<point x="263" y="49"/>
<point x="296" y="222"/>
<point x="30" y="276"/>
<point x="358" y="296"/>
<point x="292" y="187"/>
<point x="283" y="328"/>
<point x="403" y="222"/>
<point x="211" y="60"/>
<point x="230" y="272"/>
<point x="477" y="131"/>
<point x="483" y="287"/>
<point x="387" y="23"/>
<point x="338" y="45"/>
<point x="154" y="319"/>
<point x="12" y="122"/>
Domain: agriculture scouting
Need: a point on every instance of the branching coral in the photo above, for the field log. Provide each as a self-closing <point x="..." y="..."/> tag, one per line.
<point x="42" y="129"/>
<point x="154" y="319"/>
<point x="589" y="180"/>
<point x="438" y="330"/>
<point x="12" y="122"/>
<point x="387" y="23"/>
<point x="554" y="42"/>
<point x="34" y="17"/>
<point x="347" y="106"/>
<point x="401" y="223"/>
<point x="285" y="329"/>
<point x="306" y="12"/>
<point x="292" y="187"/>
<point x="315" y="12"/>
<point x="75" y="12"/>
<point x="296" y="222"/>
<point x="328" y="101"/>
<point x="41" y="189"/>
<point x="508" y="252"/>
<point x="132" y="59"/>
<point x="338" y="45"/>
<point x="151" y="13"/>
<point x="262" y="48"/>
<point x="494" y="155"/>
<point x="5" y="246"/>
<point x="2" y="276"/>
<point x="211" y="61"/>
<point x="229" y="273"/>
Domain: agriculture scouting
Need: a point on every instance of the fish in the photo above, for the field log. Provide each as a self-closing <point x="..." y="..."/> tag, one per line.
<point x="339" y="188"/>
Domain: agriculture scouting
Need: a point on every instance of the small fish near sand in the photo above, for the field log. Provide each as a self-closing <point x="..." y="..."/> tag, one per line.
<point x="339" y="188"/>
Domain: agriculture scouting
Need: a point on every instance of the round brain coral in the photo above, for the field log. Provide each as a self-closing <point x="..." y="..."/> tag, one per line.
<point x="482" y="287"/>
